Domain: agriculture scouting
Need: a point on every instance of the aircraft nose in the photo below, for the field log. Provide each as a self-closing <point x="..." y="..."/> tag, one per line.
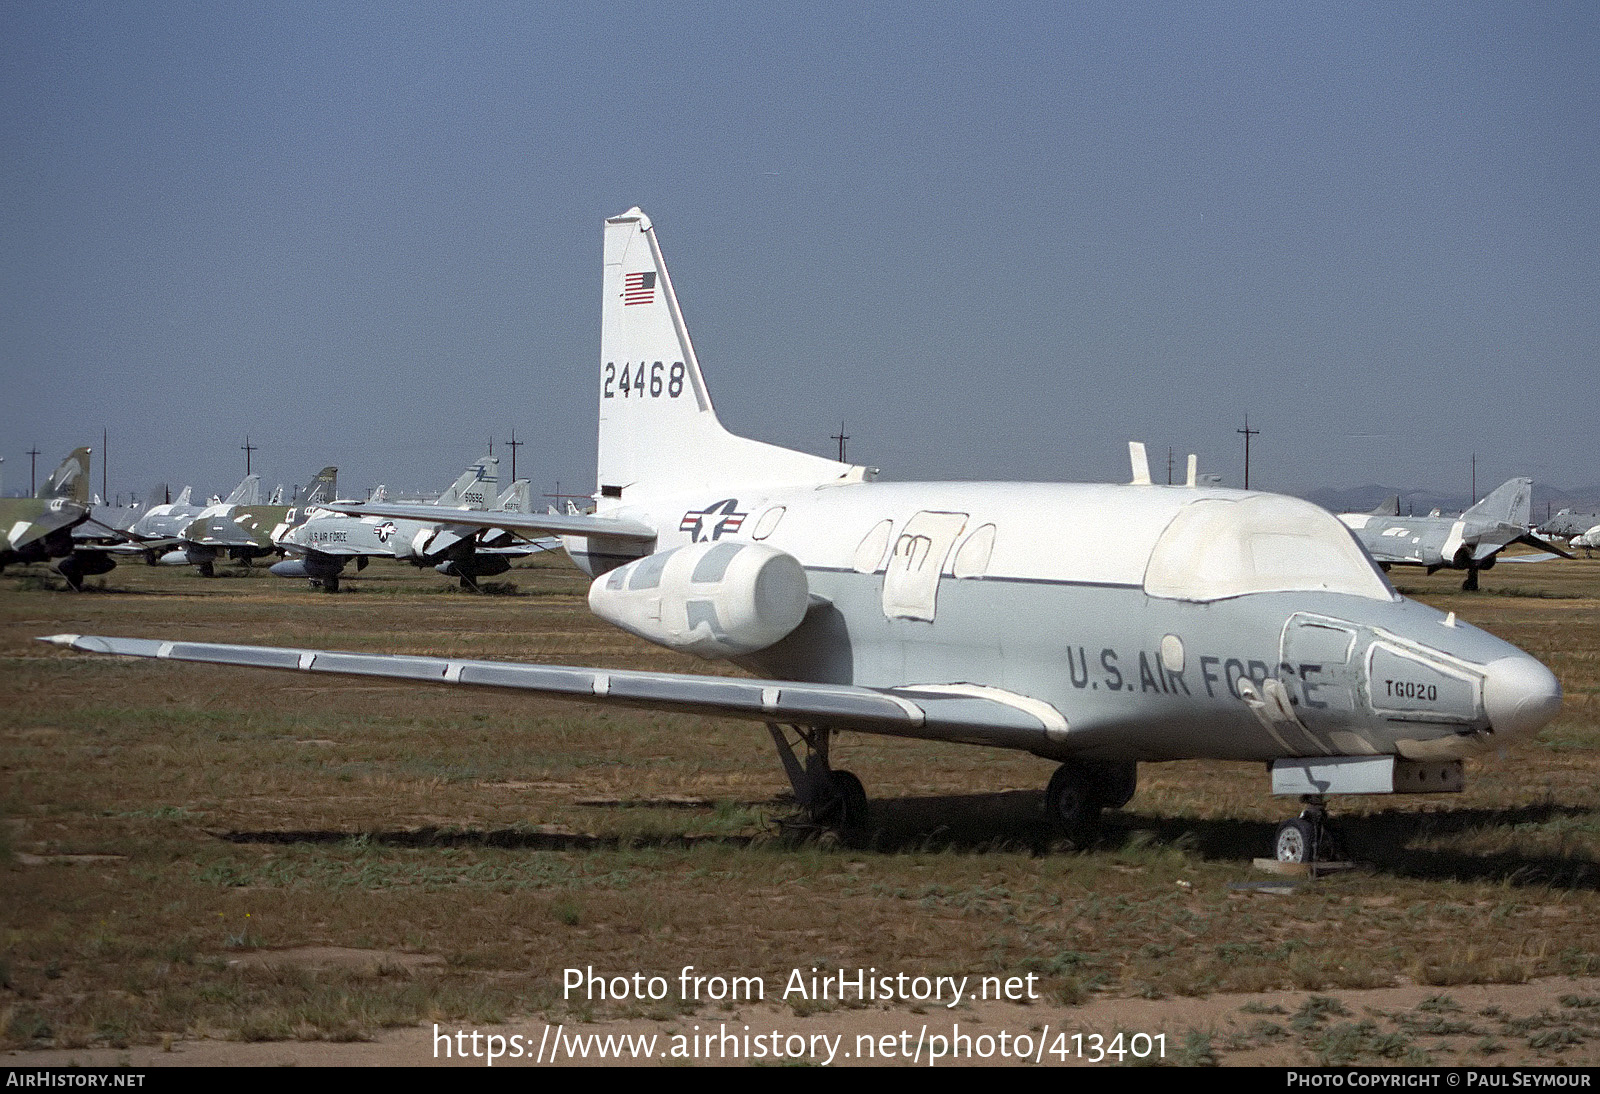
<point x="1519" y="695"/>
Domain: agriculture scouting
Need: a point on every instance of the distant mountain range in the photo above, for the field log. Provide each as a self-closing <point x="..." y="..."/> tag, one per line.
<point x="1358" y="499"/>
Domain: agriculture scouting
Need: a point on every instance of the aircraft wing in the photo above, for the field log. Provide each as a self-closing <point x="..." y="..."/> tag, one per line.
<point x="949" y="712"/>
<point x="581" y="524"/>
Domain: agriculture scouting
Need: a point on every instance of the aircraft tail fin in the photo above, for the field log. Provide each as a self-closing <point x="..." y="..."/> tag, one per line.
<point x="1510" y="503"/>
<point x="323" y="487"/>
<point x="248" y="492"/>
<point x="518" y="498"/>
<point x="658" y="429"/>
<point x="183" y="497"/>
<point x="476" y="488"/>
<point x="70" y="480"/>
<point x="1388" y="507"/>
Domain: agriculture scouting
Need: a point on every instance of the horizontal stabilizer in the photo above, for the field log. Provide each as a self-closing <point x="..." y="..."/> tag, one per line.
<point x="520" y="523"/>
<point x="1539" y="544"/>
<point x="948" y="712"/>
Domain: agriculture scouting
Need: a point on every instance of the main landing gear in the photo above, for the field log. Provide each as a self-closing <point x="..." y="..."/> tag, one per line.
<point x="832" y="800"/>
<point x="1309" y="837"/>
<point x="1081" y="789"/>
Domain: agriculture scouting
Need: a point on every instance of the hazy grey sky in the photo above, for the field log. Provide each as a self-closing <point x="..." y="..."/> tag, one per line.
<point x="997" y="242"/>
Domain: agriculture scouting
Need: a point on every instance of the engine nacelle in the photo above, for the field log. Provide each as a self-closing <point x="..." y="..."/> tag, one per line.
<point x="709" y="599"/>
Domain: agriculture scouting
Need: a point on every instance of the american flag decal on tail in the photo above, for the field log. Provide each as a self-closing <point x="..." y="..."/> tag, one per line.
<point x="639" y="288"/>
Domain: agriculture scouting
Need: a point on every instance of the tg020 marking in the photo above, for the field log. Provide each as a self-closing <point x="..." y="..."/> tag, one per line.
<point x="630" y="380"/>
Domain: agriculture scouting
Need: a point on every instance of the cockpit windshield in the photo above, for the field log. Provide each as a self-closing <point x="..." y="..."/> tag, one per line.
<point x="1221" y="547"/>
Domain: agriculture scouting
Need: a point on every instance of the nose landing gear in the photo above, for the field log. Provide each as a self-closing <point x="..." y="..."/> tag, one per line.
<point x="1309" y="837"/>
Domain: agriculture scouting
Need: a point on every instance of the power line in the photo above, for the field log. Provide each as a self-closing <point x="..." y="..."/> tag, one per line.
<point x="514" y="444"/>
<point x="1248" y="433"/>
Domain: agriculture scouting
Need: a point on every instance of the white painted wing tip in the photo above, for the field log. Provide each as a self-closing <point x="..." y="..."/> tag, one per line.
<point x="68" y="640"/>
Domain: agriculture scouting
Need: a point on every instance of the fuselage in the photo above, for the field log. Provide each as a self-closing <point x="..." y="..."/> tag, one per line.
<point x="1161" y="622"/>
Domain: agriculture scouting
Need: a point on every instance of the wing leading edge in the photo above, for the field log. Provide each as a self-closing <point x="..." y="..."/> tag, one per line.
<point x="579" y="524"/>
<point x="943" y="712"/>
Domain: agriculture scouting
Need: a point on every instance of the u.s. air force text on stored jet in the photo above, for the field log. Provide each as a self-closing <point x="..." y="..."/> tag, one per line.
<point x="1216" y="624"/>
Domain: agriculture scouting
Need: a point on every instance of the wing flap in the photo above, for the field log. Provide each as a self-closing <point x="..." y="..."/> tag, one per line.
<point x="954" y="712"/>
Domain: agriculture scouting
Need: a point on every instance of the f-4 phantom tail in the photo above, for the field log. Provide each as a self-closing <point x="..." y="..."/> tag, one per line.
<point x="1221" y="624"/>
<point x="1470" y="542"/>
<point x="40" y="528"/>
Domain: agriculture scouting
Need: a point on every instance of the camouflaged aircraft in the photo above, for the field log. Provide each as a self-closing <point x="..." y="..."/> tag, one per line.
<point x="40" y="528"/>
<point x="160" y="528"/>
<point x="322" y="545"/>
<point x="1470" y="542"/>
<point x="243" y="531"/>
<point x="1216" y="623"/>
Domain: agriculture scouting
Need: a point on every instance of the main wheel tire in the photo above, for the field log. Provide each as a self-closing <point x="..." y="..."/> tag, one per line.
<point x="1296" y="841"/>
<point x="1073" y="801"/>
<point x="853" y="805"/>
<point x="1116" y="783"/>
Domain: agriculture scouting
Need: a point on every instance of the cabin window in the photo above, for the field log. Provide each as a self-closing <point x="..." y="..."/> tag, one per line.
<point x="1217" y="547"/>
<point x="874" y="545"/>
<point x="972" y="559"/>
<point x="768" y="522"/>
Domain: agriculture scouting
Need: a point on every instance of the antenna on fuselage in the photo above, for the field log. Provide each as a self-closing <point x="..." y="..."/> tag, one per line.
<point x="1141" y="463"/>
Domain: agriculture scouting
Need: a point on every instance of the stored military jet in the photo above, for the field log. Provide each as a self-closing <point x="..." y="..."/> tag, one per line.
<point x="1469" y="542"/>
<point x="244" y="530"/>
<point x="161" y="527"/>
<point x="1570" y="525"/>
<point x="1221" y="624"/>
<point x="40" y="528"/>
<point x="324" y="543"/>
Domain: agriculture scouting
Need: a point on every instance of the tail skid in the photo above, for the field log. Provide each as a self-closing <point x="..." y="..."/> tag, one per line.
<point x="659" y="432"/>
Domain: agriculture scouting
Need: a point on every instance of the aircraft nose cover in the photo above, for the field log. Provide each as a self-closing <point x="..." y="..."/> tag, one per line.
<point x="1520" y="695"/>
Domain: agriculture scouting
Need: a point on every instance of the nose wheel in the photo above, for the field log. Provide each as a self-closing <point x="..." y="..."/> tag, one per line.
<point x="1308" y="838"/>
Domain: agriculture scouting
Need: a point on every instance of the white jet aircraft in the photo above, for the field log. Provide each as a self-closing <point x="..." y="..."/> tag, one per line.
<point x="1220" y="624"/>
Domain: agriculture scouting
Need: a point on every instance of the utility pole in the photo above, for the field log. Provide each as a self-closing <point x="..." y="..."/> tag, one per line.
<point x="1248" y="433"/>
<point x="33" y="471"/>
<point x="841" y="437"/>
<point x="514" y="444"/>
<point x="1474" y="500"/>
<point x="247" y="448"/>
<point x="1169" y="465"/>
<point x="105" y="447"/>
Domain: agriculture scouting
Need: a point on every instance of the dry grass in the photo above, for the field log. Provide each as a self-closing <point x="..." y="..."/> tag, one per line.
<point x="251" y="813"/>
